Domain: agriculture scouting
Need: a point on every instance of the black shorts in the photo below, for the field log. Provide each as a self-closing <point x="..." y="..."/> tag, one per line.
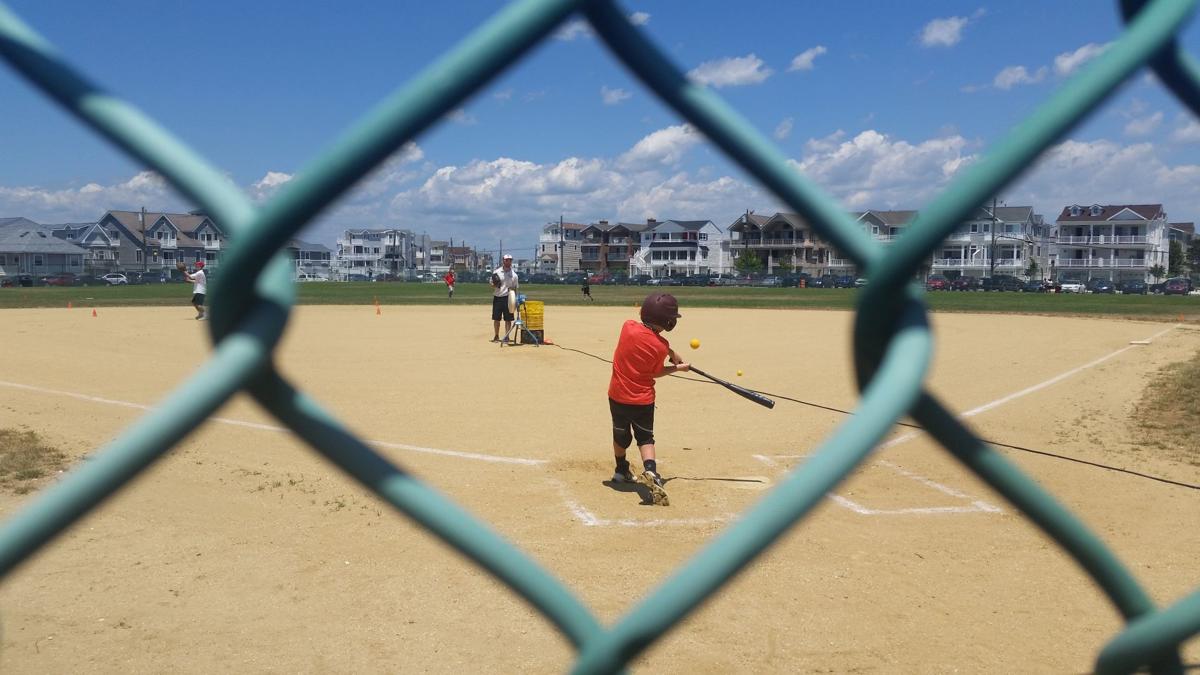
<point x="638" y="417"/>
<point x="500" y="308"/>
<point x="197" y="298"/>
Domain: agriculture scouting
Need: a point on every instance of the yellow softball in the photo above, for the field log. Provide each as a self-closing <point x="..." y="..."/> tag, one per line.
<point x="695" y="343"/>
<point x="739" y="373"/>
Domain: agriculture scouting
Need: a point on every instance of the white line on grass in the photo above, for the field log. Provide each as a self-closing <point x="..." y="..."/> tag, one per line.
<point x="270" y="427"/>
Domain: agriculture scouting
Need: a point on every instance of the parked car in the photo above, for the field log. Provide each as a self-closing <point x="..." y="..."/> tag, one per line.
<point x="770" y="280"/>
<point x="1033" y="286"/>
<point x="860" y="282"/>
<point x="1177" y="286"/>
<point x="1133" y="287"/>
<point x="1001" y="282"/>
<point x="965" y="283"/>
<point x="937" y="282"/>
<point x="114" y="279"/>
<point x="25" y="280"/>
<point x="1071" y="286"/>
<point x="64" y="279"/>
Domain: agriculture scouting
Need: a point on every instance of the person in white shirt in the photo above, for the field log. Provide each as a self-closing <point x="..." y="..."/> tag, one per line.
<point x="504" y="279"/>
<point x="199" y="288"/>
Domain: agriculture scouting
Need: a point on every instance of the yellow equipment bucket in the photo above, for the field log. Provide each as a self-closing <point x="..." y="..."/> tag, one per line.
<point x="535" y="314"/>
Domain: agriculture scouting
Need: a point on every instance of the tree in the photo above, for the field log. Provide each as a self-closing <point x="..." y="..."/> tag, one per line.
<point x="1032" y="270"/>
<point x="1175" y="259"/>
<point x="1157" y="272"/>
<point x="1194" y="254"/>
<point x="784" y="266"/>
<point x="748" y="263"/>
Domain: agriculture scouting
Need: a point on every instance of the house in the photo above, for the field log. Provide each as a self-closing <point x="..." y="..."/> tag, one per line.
<point x="1006" y="241"/>
<point x="607" y="248"/>
<point x="670" y="248"/>
<point x="27" y="247"/>
<point x="559" y="248"/>
<point x="784" y="239"/>
<point x="1115" y="242"/>
<point x="153" y="242"/>
<point x="369" y="253"/>
<point x="310" y="260"/>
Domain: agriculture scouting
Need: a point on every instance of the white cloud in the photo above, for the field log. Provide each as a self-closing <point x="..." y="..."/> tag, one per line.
<point x="460" y="116"/>
<point x="1016" y="75"/>
<point x="89" y="202"/>
<point x="1188" y="130"/>
<point x="503" y="95"/>
<point x="784" y="129"/>
<point x="663" y="147"/>
<point x="873" y="170"/>
<point x="943" y="32"/>
<point x="1144" y="126"/>
<point x="1068" y="62"/>
<point x="572" y="29"/>
<point x="1106" y="172"/>
<point x="613" y="96"/>
<point x="268" y="185"/>
<point x="731" y="72"/>
<point x="804" y="60"/>
<point x="580" y="28"/>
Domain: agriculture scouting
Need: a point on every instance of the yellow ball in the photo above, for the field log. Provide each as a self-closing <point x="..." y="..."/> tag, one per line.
<point x="739" y="373"/>
<point x="695" y="343"/>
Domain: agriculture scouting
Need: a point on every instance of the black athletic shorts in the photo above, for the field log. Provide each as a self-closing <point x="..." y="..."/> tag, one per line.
<point x="500" y="308"/>
<point x="197" y="298"/>
<point x="638" y="417"/>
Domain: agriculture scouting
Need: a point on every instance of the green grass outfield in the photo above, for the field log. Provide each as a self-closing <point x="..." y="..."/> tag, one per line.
<point x="1164" y="308"/>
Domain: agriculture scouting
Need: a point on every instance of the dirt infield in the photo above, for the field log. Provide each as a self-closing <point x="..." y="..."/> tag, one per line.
<point x="242" y="551"/>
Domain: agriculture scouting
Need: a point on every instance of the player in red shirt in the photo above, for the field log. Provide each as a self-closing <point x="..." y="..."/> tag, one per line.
<point x="637" y="362"/>
<point x="449" y="279"/>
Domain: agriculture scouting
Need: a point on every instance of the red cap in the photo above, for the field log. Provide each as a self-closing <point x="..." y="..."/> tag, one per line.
<point x="199" y="264"/>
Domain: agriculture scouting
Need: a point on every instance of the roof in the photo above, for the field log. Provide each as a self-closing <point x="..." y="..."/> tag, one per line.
<point x="565" y="226"/>
<point x="301" y="245"/>
<point x="748" y="218"/>
<point x="690" y="224"/>
<point x="17" y="222"/>
<point x="184" y="222"/>
<point x="35" y="238"/>
<point x="1190" y="228"/>
<point x="889" y="217"/>
<point x="1107" y="211"/>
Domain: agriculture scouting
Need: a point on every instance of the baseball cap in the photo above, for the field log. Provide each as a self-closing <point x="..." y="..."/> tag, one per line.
<point x="199" y="264"/>
<point x="661" y="309"/>
<point x="507" y="256"/>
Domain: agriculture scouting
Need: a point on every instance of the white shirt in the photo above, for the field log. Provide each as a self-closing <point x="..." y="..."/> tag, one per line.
<point x="199" y="283"/>
<point x="508" y="281"/>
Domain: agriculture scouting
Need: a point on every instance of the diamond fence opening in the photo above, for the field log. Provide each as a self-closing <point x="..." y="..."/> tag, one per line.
<point x="892" y="344"/>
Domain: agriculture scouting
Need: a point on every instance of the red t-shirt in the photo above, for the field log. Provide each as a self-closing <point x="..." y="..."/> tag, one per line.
<point x="638" y="358"/>
<point x="449" y="278"/>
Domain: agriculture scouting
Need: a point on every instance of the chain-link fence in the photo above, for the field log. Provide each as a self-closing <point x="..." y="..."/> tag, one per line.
<point x="253" y="296"/>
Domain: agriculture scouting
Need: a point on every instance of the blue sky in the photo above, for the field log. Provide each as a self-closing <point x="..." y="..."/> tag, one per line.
<point x="879" y="103"/>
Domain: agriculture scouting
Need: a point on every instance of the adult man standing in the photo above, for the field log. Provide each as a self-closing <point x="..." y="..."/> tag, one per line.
<point x="504" y="279"/>
<point x="199" y="287"/>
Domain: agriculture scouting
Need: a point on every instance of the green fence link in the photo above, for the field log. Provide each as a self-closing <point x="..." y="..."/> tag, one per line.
<point x="892" y="342"/>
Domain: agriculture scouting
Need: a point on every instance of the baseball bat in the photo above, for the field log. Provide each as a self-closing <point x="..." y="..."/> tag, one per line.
<point x="740" y="391"/>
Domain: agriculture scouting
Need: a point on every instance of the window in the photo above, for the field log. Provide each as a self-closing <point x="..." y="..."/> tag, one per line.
<point x="117" y="256"/>
<point x="1095" y="210"/>
<point x="37" y="261"/>
<point x="137" y="255"/>
<point x="974" y="228"/>
<point x="703" y="236"/>
<point x="2" y="259"/>
<point x="1074" y="210"/>
<point x="74" y="261"/>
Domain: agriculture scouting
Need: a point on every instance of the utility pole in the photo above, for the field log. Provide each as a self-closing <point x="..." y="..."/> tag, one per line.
<point x="992" y="250"/>
<point x="145" y="249"/>
<point x="562" y="252"/>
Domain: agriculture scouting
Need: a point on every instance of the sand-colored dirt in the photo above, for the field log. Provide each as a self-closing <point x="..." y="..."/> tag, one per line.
<point x="242" y="551"/>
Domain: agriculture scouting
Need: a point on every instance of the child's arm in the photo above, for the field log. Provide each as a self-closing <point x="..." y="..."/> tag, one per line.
<point x="674" y="368"/>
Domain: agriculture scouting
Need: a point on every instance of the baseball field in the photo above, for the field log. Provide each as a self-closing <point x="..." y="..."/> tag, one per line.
<point x="242" y="551"/>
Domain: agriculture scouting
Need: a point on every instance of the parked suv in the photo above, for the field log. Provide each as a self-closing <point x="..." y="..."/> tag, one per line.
<point x="1177" y="286"/>
<point x="1101" y="286"/>
<point x="1133" y="288"/>
<point x="114" y="279"/>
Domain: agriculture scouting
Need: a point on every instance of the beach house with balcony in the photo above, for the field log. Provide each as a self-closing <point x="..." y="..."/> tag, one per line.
<point x="1116" y="242"/>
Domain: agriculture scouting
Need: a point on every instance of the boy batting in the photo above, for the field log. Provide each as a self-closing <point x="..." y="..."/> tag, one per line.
<point x="637" y="362"/>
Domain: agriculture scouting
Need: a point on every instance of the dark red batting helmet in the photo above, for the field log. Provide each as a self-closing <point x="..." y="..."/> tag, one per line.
<point x="199" y="264"/>
<point x="661" y="309"/>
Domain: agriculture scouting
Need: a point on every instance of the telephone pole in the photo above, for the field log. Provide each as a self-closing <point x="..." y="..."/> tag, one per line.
<point x="992" y="250"/>
<point x="562" y="266"/>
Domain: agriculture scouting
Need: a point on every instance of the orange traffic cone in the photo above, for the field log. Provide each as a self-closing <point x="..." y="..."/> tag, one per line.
<point x="93" y="312"/>
<point x="378" y="312"/>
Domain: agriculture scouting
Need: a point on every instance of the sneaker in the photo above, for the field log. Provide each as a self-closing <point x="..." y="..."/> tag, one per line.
<point x="625" y="476"/>
<point x="655" y="483"/>
<point x="495" y="339"/>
